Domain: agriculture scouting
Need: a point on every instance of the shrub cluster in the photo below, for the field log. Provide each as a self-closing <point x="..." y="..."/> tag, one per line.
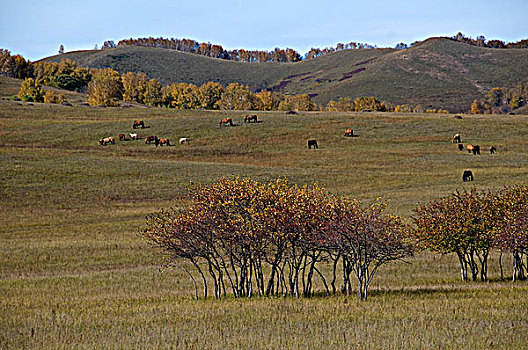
<point x="471" y="223"/>
<point x="256" y="238"/>
<point x="269" y="238"/>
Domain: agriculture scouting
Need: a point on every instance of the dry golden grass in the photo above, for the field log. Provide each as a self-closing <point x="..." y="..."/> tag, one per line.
<point x="74" y="272"/>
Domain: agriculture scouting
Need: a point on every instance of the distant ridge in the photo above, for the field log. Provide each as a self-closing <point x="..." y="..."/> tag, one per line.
<point x="436" y="73"/>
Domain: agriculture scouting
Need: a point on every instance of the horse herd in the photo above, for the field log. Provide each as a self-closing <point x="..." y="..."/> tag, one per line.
<point x="247" y="119"/>
<point x="467" y="175"/>
<point x="151" y="139"/>
<point x="456" y="139"/>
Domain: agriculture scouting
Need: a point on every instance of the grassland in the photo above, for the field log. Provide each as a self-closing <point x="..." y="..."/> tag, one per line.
<point x="437" y="73"/>
<point x="75" y="273"/>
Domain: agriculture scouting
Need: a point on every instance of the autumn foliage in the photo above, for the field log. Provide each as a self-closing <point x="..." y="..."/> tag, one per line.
<point x="255" y="238"/>
<point x="471" y="223"/>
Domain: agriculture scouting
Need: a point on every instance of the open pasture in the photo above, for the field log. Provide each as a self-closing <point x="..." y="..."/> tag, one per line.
<point x="74" y="271"/>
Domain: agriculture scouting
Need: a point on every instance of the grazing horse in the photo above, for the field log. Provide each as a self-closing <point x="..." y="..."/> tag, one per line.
<point x="164" y="142"/>
<point x="122" y="137"/>
<point x="226" y="121"/>
<point x="460" y="146"/>
<point x="183" y="140"/>
<point x="349" y="132"/>
<point x="467" y="176"/>
<point x="150" y="139"/>
<point x="312" y="143"/>
<point x="473" y="148"/>
<point x="456" y="138"/>
<point x="492" y="149"/>
<point x="106" y="140"/>
<point x="133" y="136"/>
<point x="138" y="123"/>
<point x="250" y="117"/>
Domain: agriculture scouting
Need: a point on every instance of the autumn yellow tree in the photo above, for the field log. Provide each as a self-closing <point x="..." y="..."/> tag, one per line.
<point x="238" y="97"/>
<point x="475" y="107"/>
<point x="50" y="97"/>
<point x="182" y="96"/>
<point x="297" y="102"/>
<point x="31" y="91"/>
<point x="209" y="94"/>
<point x="105" y="88"/>
<point x="134" y="86"/>
<point x="152" y="95"/>
<point x="268" y="101"/>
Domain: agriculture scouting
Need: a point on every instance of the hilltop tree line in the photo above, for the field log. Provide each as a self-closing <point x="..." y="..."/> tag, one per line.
<point x="284" y="55"/>
<point x="241" y="55"/>
<point x="495" y="43"/>
<point x="255" y="238"/>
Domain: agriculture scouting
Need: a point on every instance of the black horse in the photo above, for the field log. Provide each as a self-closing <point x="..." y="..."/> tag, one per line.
<point x="467" y="176"/>
<point x="312" y="143"/>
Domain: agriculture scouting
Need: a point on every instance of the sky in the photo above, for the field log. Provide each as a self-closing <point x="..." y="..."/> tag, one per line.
<point x="41" y="26"/>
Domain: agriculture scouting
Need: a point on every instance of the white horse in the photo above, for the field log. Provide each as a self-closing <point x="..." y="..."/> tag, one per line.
<point x="183" y="140"/>
<point x="133" y="136"/>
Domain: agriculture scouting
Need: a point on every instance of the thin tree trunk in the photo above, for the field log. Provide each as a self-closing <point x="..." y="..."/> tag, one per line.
<point x="324" y="280"/>
<point x="500" y="265"/>
<point x="204" y="280"/>
<point x="193" y="281"/>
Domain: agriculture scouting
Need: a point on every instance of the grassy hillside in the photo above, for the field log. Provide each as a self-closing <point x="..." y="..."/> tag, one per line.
<point x="438" y="73"/>
<point x="75" y="273"/>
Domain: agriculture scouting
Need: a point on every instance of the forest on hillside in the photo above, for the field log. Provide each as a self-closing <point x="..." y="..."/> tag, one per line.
<point x="288" y="54"/>
<point x="108" y="87"/>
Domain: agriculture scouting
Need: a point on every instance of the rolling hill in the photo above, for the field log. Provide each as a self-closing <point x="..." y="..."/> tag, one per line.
<point x="437" y="73"/>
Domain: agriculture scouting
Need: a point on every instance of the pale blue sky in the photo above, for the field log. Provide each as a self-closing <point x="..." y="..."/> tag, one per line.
<point x="37" y="28"/>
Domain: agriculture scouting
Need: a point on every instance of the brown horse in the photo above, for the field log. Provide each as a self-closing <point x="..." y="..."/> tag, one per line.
<point x="473" y="148"/>
<point x="470" y="148"/>
<point x="106" y="140"/>
<point x="349" y="132"/>
<point x="150" y="139"/>
<point x="138" y="123"/>
<point x="164" y="142"/>
<point x="226" y="121"/>
<point x="250" y="117"/>
<point x="122" y="137"/>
